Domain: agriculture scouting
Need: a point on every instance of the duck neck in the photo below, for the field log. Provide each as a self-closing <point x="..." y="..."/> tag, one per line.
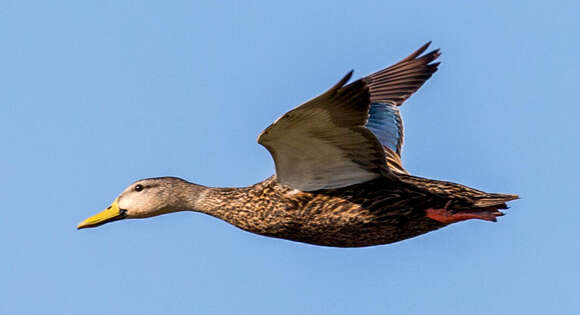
<point x="228" y="204"/>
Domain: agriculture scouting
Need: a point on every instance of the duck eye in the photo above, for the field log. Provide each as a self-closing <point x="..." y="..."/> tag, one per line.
<point x="139" y="187"/>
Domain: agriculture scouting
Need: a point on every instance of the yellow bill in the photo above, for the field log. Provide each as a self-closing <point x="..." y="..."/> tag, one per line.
<point x="112" y="213"/>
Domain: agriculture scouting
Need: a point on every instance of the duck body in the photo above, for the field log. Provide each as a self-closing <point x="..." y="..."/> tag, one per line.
<point x="377" y="212"/>
<point x="339" y="179"/>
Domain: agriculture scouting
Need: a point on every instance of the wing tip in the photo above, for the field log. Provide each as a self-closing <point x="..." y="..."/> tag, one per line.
<point x="415" y="66"/>
<point x="436" y="53"/>
<point x="346" y="78"/>
<point x="340" y="83"/>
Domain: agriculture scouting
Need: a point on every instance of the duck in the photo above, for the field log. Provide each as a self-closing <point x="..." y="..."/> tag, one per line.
<point x="339" y="179"/>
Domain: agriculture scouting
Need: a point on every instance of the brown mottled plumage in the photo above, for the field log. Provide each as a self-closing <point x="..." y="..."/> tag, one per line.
<point x="378" y="212"/>
<point x="339" y="177"/>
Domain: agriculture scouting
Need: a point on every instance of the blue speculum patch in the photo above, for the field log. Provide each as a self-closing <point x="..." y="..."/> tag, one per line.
<point x="385" y="123"/>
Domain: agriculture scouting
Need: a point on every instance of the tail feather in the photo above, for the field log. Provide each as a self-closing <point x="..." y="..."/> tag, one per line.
<point x="495" y="200"/>
<point x="460" y="197"/>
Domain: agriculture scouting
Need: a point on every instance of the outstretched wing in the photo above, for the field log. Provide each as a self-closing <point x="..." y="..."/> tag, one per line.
<point x="389" y="89"/>
<point x="323" y="143"/>
<point x="327" y="142"/>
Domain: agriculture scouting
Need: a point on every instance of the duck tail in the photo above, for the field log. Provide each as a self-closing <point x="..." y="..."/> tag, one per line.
<point x="454" y="202"/>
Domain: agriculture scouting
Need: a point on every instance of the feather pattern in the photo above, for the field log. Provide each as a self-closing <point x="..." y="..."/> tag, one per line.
<point x="380" y="211"/>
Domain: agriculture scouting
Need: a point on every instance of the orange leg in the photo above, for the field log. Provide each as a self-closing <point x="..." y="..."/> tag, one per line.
<point x="447" y="217"/>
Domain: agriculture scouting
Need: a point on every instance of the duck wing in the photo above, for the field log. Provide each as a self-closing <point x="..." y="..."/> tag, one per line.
<point x="390" y="88"/>
<point x="349" y="134"/>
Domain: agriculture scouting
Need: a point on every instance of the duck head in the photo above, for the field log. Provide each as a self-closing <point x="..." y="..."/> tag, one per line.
<point x="142" y="199"/>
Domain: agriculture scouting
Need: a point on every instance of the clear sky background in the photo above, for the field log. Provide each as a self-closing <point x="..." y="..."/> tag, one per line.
<point x="97" y="94"/>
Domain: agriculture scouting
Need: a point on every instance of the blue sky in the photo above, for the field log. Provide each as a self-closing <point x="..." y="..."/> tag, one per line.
<point x="97" y="94"/>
